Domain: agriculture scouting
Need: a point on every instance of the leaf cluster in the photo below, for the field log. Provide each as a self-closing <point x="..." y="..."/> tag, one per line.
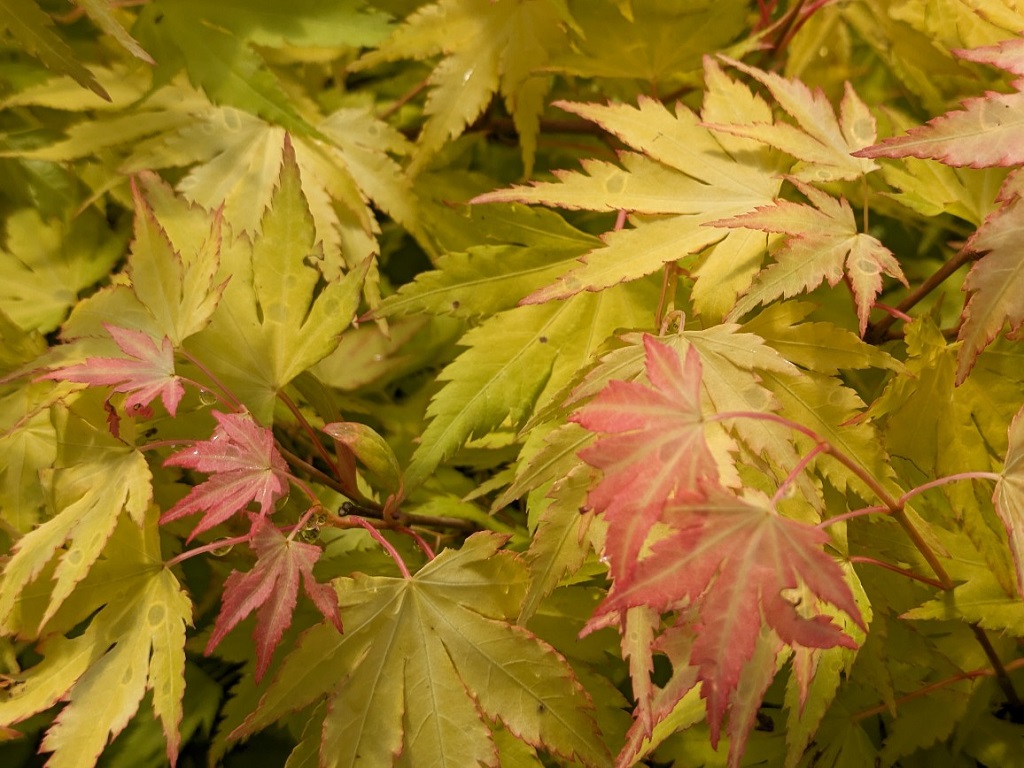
<point x="622" y="382"/>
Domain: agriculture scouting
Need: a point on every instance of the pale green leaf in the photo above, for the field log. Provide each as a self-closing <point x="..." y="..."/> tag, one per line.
<point x="487" y="48"/>
<point x="45" y="264"/>
<point x="685" y="173"/>
<point x="822" y="141"/>
<point x="1009" y="496"/>
<point x="817" y="346"/>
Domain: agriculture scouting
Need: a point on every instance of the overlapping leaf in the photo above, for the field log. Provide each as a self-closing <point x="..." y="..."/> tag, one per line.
<point x="1009" y="495"/>
<point x="29" y="25"/>
<point x="654" y="449"/>
<point x="99" y="481"/>
<point x="685" y="176"/>
<point x="488" y="48"/>
<point x="822" y="243"/>
<point x="245" y="466"/>
<point x="986" y="132"/>
<point x="145" y="373"/>
<point x="134" y="643"/>
<point x="271" y="589"/>
<point x="282" y="311"/>
<point x="729" y="563"/>
<point x="821" y="141"/>
<point x="426" y="662"/>
<point x="517" y="361"/>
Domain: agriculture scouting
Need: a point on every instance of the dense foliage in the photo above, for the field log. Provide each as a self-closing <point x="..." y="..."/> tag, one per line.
<point x="512" y="382"/>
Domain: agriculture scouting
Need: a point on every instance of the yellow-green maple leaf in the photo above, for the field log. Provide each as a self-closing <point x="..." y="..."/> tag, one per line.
<point x="426" y="662"/>
<point x="517" y="361"/>
<point x="280" y="313"/>
<point x="98" y="480"/>
<point x="488" y="47"/>
<point x="134" y="643"/>
<point x="683" y="176"/>
<point x="821" y="140"/>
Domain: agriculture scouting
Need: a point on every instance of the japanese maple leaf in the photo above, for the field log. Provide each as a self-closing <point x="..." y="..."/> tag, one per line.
<point x="654" y="449"/>
<point x="995" y="283"/>
<point x="1009" y="495"/>
<point x="988" y="131"/>
<point x="271" y="589"/>
<point x="822" y="243"/>
<point x="146" y="373"/>
<point x="244" y="466"/>
<point x="825" y="145"/>
<point x="734" y="561"/>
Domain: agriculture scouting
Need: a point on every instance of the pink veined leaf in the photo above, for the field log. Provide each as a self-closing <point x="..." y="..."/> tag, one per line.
<point x="988" y="131"/>
<point x="822" y="243"/>
<point x="271" y="589"/>
<point x="653" y="448"/>
<point x="244" y="466"/>
<point x="734" y="563"/>
<point x="1009" y="495"/>
<point x="145" y="374"/>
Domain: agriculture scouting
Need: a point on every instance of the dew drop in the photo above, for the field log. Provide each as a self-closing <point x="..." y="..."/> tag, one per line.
<point x="206" y="397"/>
<point x="310" y="535"/>
<point x="221" y="551"/>
<point x="156" y="614"/>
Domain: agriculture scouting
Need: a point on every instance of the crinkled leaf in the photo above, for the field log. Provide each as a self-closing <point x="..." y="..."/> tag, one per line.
<point x="244" y="465"/>
<point x="271" y="589"/>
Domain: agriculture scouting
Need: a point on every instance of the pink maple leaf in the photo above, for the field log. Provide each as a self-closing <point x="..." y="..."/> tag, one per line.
<point x="271" y="589"/>
<point x="734" y="563"/>
<point x="244" y="466"/>
<point x="146" y="373"/>
<point x="654" y="449"/>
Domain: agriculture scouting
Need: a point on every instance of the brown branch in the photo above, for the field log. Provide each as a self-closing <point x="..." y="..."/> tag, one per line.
<point x="877" y="332"/>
